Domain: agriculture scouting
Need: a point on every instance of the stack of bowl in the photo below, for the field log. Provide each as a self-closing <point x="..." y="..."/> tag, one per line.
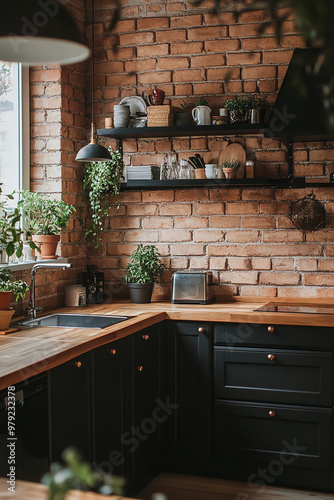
<point x="121" y="115"/>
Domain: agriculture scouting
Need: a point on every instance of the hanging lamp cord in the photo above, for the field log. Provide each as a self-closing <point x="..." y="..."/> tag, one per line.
<point x="93" y="48"/>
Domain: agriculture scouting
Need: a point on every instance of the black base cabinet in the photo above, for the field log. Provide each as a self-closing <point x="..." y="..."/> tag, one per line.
<point x="252" y="403"/>
<point x="273" y="405"/>
<point x="188" y="390"/>
<point x="127" y="389"/>
<point x="70" y="403"/>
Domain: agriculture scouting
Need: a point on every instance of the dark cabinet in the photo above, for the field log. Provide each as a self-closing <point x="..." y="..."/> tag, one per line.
<point x="273" y="375"/>
<point x="273" y="398"/>
<point x="112" y="393"/>
<point x="149" y="412"/>
<point x="299" y="437"/>
<point x="188" y="389"/>
<point x="70" y="403"/>
<point x="127" y="388"/>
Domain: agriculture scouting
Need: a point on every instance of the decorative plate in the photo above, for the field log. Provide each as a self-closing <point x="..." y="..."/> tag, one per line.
<point x="136" y="103"/>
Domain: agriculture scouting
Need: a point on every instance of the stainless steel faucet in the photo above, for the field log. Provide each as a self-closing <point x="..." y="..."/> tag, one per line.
<point x="32" y="311"/>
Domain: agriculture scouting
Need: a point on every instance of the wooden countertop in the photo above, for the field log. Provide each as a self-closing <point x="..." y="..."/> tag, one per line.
<point x="35" y="350"/>
<point x="26" y="490"/>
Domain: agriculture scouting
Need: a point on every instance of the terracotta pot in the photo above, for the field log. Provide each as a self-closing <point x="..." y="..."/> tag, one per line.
<point x="48" y="245"/>
<point x="5" y="318"/>
<point x="230" y="173"/>
<point x="200" y="173"/>
<point x="5" y="300"/>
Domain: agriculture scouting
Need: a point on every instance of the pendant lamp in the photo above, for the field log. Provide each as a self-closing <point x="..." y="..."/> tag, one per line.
<point x="93" y="151"/>
<point x="38" y="32"/>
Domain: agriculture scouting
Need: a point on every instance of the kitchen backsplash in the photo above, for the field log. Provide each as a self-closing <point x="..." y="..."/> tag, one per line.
<point x="245" y="236"/>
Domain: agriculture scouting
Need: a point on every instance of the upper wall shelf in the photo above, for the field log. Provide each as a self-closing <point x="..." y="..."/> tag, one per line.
<point x="191" y="131"/>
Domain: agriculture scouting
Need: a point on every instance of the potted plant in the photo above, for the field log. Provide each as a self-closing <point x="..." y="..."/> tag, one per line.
<point x="143" y="270"/>
<point x="182" y="119"/>
<point x="201" y="113"/>
<point x="45" y="219"/>
<point x="230" y="168"/>
<point x="257" y="106"/>
<point x="10" y="232"/>
<point x="238" y="109"/>
<point x="100" y="180"/>
<point x="8" y="286"/>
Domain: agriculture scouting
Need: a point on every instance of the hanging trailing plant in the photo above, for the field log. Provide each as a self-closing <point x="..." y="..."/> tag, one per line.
<point x="101" y="180"/>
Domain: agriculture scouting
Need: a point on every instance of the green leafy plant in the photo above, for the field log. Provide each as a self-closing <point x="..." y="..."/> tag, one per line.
<point x="8" y="284"/>
<point x="231" y="164"/>
<point x="257" y="102"/>
<point x="201" y="102"/>
<point x="100" y="180"/>
<point x="145" y="265"/>
<point x="79" y="475"/>
<point x="44" y="215"/>
<point x="10" y="231"/>
<point x="240" y="103"/>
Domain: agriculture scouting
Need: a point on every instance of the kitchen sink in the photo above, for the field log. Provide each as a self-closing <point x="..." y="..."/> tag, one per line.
<point x="75" y="320"/>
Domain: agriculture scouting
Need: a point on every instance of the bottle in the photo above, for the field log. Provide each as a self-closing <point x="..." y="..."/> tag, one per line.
<point x="90" y="282"/>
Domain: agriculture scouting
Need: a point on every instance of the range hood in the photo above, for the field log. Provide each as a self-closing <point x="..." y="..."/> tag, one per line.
<point x="299" y="112"/>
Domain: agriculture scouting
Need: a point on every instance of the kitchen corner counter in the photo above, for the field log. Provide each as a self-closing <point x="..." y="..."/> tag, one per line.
<point x="34" y="350"/>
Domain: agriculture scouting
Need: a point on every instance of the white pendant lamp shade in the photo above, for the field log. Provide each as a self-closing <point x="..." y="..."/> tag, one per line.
<point x="37" y="32"/>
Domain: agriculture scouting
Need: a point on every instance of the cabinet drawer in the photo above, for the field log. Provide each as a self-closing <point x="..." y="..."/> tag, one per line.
<point x="304" y="337"/>
<point x="296" y="377"/>
<point x="297" y="437"/>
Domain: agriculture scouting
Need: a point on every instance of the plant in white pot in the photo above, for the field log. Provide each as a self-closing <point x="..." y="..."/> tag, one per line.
<point x="45" y="219"/>
<point x="8" y="286"/>
<point x="144" y="269"/>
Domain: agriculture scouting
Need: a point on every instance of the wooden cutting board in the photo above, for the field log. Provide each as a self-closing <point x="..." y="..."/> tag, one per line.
<point x="234" y="152"/>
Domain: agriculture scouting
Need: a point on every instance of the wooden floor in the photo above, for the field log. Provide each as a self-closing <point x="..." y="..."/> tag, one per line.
<point x="180" y="487"/>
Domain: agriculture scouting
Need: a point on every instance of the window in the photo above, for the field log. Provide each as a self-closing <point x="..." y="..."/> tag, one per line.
<point x="14" y="127"/>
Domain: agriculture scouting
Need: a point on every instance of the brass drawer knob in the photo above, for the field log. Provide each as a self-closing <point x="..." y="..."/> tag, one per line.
<point x="140" y="368"/>
<point x="271" y="329"/>
<point x="200" y="329"/>
<point x="272" y="413"/>
<point x="271" y="357"/>
<point x="113" y="351"/>
<point x="78" y="364"/>
<point x="145" y="337"/>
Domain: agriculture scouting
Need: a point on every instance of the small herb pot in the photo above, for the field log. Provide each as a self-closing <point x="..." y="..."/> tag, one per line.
<point x="239" y="116"/>
<point x="182" y="119"/>
<point x="141" y="293"/>
<point x="230" y="173"/>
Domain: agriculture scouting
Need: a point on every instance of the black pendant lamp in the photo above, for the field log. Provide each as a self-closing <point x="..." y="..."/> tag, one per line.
<point x="93" y="151"/>
<point x="36" y="32"/>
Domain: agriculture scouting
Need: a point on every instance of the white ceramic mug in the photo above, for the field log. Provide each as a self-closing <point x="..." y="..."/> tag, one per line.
<point x="202" y="115"/>
<point x="210" y="170"/>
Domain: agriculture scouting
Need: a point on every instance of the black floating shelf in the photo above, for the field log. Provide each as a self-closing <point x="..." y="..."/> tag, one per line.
<point x="194" y="130"/>
<point x="298" y="182"/>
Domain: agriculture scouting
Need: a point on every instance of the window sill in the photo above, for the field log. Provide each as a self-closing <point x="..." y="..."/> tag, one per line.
<point x="23" y="266"/>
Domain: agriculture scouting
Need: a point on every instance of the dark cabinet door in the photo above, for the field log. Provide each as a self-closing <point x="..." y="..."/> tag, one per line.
<point x="112" y="407"/>
<point x="69" y="395"/>
<point x="188" y="388"/>
<point x="296" y="436"/>
<point x="148" y="405"/>
<point x="279" y="376"/>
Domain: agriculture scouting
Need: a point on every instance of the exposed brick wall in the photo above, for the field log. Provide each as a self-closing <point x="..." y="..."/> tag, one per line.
<point x="58" y="131"/>
<point x="244" y="236"/>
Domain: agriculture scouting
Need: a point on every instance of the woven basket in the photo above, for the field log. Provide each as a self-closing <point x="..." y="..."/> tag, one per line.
<point x="160" y="116"/>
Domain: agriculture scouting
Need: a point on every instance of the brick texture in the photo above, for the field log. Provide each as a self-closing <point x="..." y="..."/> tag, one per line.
<point x="244" y="235"/>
